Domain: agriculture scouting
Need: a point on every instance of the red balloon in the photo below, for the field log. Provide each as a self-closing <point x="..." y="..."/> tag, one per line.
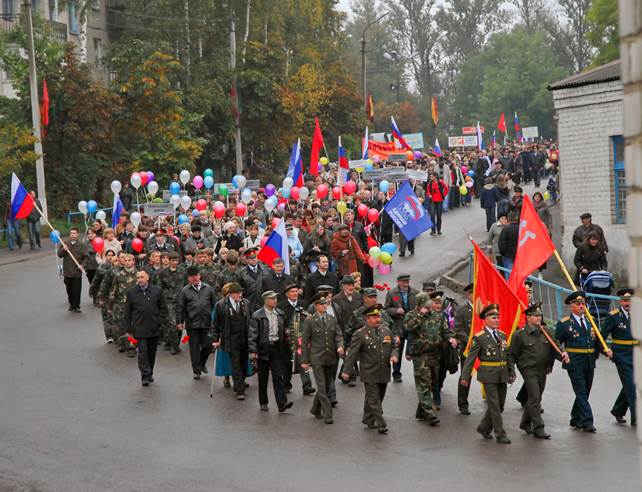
<point x="144" y="178"/>
<point x="201" y="204"/>
<point x="362" y="210"/>
<point x="322" y="191"/>
<point x="98" y="244"/>
<point x="336" y="193"/>
<point x="294" y="193"/>
<point x="275" y="222"/>
<point x="350" y="187"/>
<point x="137" y="245"/>
<point x="373" y="215"/>
<point x="263" y="241"/>
<point x="241" y="209"/>
<point x="219" y="211"/>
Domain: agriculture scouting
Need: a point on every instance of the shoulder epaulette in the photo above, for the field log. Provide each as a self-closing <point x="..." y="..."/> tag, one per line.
<point x="479" y="333"/>
<point x="565" y="319"/>
<point x="614" y="311"/>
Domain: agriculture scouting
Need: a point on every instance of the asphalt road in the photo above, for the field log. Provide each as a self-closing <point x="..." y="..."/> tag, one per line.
<point x="73" y="417"/>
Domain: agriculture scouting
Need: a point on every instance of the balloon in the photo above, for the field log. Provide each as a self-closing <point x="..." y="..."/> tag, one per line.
<point x="463" y="190"/>
<point x="270" y="205"/>
<point x="92" y="206"/>
<point x="410" y="155"/>
<point x="201" y="204"/>
<point x="175" y="200"/>
<point x="246" y="195"/>
<point x="116" y="187"/>
<point x="362" y="210"/>
<point x="350" y="187"/>
<point x="195" y="213"/>
<point x="471" y="173"/>
<point x="288" y="182"/>
<point x="376" y="159"/>
<point x="270" y="189"/>
<point x="418" y="154"/>
<point x="135" y="180"/>
<point x="323" y="161"/>
<point x="185" y="202"/>
<point x="384" y="269"/>
<point x="184" y="176"/>
<point x="183" y="219"/>
<point x="383" y="186"/>
<point x="322" y="191"/>
<point x="54" y="236"/>
<point x="373" y="262"/>
<point x="157" y="200"/>
<point x="263" y="241"/>
<point x="197" y="182"/>
<point x="385" y="258"/>
<point x="319" y="168"/>
<point x="336" y="192"/>
<point x="152" y="187"/>
<point x="359" y="169"/>
<point x="208" y="172"/>
<point x="208" y="181"/>
<point x="467" y="178"/>
<point x="174" y="188"/>
<point x="150" y="176"/>
<point x="239" y="181"/>
<point x="281" y="207"/>
<point x="101" y="215"/>
<point x="294" y="192"/>
<point x="241" y="209"/>
<point x="82" y="207"/>
<point x="373" y="215"/>
<point x="135" y="219"/>
<point x="469" y="184"/>
<point x="547" y="195"/>
<point x="222" y="189"/>
<point x="374" y="252"/>
<point x="275" y="222"/>
<point x="137" y="245"/>
<point x="304" y="193"/>
<point x="98" y="244"/>
<point x="464" y="169"/>
<point x="342" y="207"/>
<point x="144" y="177"/>
<point x="285" y="192"/>
<point x="219" y="210"/>
<point x="390" y="248"/>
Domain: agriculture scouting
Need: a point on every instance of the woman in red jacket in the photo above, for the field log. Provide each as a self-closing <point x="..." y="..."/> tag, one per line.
<point x="436" y="192"/>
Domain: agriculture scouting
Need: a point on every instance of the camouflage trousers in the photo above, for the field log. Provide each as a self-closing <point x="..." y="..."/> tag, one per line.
<point x="171" y="336"/>
<point x="108" y="322"/>
<point x="119" y="331"/>
<point x="426" y="368"/>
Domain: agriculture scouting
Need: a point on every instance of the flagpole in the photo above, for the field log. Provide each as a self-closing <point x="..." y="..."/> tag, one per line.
<point x="61" y="241"/>
<point x="586" y="311"/>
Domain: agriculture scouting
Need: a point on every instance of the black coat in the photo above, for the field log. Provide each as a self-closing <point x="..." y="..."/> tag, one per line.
<point x="589" y="257"/>
<point x="144" y="311"/>
<point x="277" y="284"/>
<point x="252" y="284"/>
<point x="316" y="279"/>
<point x="508" y="240"/>
<point x="258" y="337"/>
<point x="232" y="327"/>
<point x="195" y="308"/>
<point x="288" y="310"/>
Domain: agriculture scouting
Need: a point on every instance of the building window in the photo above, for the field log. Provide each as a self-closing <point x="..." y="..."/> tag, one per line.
<point x="8" y="7"/>
<point x="619" y="179"/>
<point x="73" y="20"/>
<point x="98" y="52"/>
<point x="95" y="5"/>
<point x="53" y="10"/>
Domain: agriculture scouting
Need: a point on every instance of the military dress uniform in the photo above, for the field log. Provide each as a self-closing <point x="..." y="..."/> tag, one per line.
<point x="171" y="283"/>
<point x="618" y="326"/>
<point x="123" y="281"/>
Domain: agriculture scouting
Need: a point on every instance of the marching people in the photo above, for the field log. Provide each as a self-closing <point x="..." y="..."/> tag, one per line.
<point x="399" y="301"/>
<point x="349" y="302"/>
<point x="71" y="272"/>
<point x="463" y="321"/>
<point x="322" y="276"/>
<point x="251" y="278"/>
<point x="123" y="280"/>
<point x="171" y="280"/>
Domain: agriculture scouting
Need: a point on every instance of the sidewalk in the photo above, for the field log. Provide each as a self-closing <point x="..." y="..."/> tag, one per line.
<point x="26" y="254"/>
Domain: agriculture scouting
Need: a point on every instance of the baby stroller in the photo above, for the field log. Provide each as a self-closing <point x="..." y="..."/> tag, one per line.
<point x="598" y="282"/>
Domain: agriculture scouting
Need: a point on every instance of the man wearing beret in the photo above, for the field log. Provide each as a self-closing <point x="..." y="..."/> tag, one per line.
<point x="399" y="301"/>
<point x="578" y="338"/>
<point x="495" y="371"/>
<point x="463" y="321"/>
<point x="534" y="354"/>
<point x="618" y="326"/>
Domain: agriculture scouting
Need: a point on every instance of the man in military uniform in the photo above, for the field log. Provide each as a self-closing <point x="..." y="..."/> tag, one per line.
<point x="495" y="371"/>
<point x="348" y="301"/>
<point x="104" y="270"/>
<point x="618" y="325"/>
<point x="463" y="321"/>
<point x="427" y="330"/>
<point x="376" y="348"/>
<point x="103" y="293"/>
<point x="575" y="333"/>
<point x="399" y="301"/>
<point x="171" y="280"/>
<point x="250" y="277"/>
<point x="230" y="274"/>
<point x="534" y="354"/>
<point x="123" y="281"/>
<point x="321" y="342"/>
<point x="208" y="270"/>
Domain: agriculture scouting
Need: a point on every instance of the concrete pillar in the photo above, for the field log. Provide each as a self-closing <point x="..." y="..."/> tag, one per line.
<point x="631" y="56"/>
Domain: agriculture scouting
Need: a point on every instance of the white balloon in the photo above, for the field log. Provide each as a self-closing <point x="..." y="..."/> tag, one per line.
<point x="269" y="205"/>
<point x="82" y="207"/>
<point x="288" y="183"/>
<point x="185" y="201"/>
<point x="246" y="196"/>
<point x="175" y="200"/>
<point x="152" y="187"/>
<point x="135" y="219"/>
<point x="136" y="180"/>
<point x="240" y="180"/>
<point x="116" y="187"/>
<point x="184" y="176"/>
<point x="304" y="193"/>
<point x="100" y="215"/>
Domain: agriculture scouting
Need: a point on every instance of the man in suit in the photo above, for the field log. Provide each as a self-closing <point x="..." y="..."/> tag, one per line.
<point x="144" y="309"/>
<point x="275" y="279"/>
<point x="399" y="301"/>
<point x="494" y="372"/>
<point x="322" y="276"/>
<point x="322" y="341"/>
<point x="251" y="277"/>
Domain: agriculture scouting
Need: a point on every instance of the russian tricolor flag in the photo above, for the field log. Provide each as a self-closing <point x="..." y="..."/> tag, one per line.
<point x="364" y="147"/>
<point x="295" y="169"/>
<point x="517" y="127"/>
<point x="436" y="150"/>
<point x="116" y="211"/>
<point x="480" y="138"/>
<point x="21" y="202"/>
<point x="398" y="135"/>
<point x="344" y="166"/>
<point x="276" y="247"/>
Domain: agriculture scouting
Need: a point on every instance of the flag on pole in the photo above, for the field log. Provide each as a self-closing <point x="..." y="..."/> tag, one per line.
<point x="370" y="108"/>
<point x="408" y="213"/>
<point x="276" y="247"/>
<point x="480" y="139"/>
<point x="295" y="169"/>
<point x="434" y="110"/>
<point x="317" y="144"/>
<point x="44" y="108"/>
<point x="518" y="128"/>
<point x="364" y="146"/>
<point x="344" y="166"/>
<point x="501" y="125"/>
<point x="396" y="134"/>
<point x="494" y="140"/>
<point x="116" y="211"/>
<point x="21" y="201"/>
<point x="437" y="149"/>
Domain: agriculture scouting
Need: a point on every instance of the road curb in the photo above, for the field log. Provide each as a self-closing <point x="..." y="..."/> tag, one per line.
<point x="22" y="259"/>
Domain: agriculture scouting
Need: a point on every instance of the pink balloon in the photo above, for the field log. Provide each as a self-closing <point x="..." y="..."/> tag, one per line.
<point x="350" y="187"/>
<point x="198" y="182"/>
<point x="98" y="244"/>
<point x="464" y="169"/>
<point x="322" y="191"/>
<point x="384" y="269"/>
<point x="373" y="262"/>
<point x="362" y="210"/>
<point x="219" y="210"/>
<point x="241" y="209"/>
<point x="373" y="215"/>
<point x="201" y="204"/>
<point x="281" y="207"/>
<point x="144" y="178"/>
<point x="294" y="193"/>
<point x="336" y="192"/>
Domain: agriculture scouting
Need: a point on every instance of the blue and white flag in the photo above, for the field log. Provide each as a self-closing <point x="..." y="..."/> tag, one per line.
<point x="116" y="211"/>
<point x="407" y="212"/>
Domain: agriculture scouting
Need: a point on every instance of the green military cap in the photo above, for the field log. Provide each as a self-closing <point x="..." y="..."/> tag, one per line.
<point x="369" y="292"/>
<point x="625" y="293"/>
<point x="490" y="310"/>
<point x="534" y="309"/>
<point x="320" y="298"/>
<point x="269" y="294"/>
<point x="347" y="279"/>
<point x="403" y="276"/>
<point x="573" y="297"/>
<point x="234" y="287"/>
<point x="374" y="310"/>
<point x="436" y="296"/>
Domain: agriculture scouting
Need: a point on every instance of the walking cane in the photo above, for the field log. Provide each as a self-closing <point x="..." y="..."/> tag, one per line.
<point x="213" y="364"/>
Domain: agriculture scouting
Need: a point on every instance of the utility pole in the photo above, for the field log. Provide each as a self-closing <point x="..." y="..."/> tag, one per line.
<point x="363" y="60"/>
<point x="35" y="108"/>
<point x="235" y="95"/>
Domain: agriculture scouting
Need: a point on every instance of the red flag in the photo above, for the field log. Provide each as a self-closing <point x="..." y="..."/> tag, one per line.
<point x="534" y="247"/>
<point x="370" y="108"/>
<point x="501" y="126"/>
<point x="434" y="111"/>
<point x="44" y="108"/>
<point x="317" y="143"/>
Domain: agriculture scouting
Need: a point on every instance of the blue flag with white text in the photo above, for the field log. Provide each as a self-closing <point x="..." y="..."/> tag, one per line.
<point x="408" y="213"/>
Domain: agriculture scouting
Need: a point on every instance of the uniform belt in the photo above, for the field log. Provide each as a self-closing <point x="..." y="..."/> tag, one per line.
<point x="580" y="351"/>
<point x="626" y="342"/>
<point x="493" y="364"/>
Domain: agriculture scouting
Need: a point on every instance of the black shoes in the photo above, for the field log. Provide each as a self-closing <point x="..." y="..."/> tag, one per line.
<point x="240" y="396"/>
<point x="397" y="379"/>
<point x="383" y="430"/>
<point x="619" y="418"/>
<point x="204" y="370"/>
<point x="264" y="408"/>
<point x="464" y="411"/>
<point x="526" y="428"/>
<point x="285" y="407"/>
<point x="77" y="310"/>
<point x="310" y="391"/>
<point x="540" y="434"/>
<point x="329" y="420"/>
<point x="197" y="375"/>
<point x="503" y="440"/>
<point x="484" y="434"/>
<point x="433" y="421"/>
<point x="591" y="429"/>
<point x="334" y="403"/>
<point x="175" y="350"/>
<point x="145" y="382"/>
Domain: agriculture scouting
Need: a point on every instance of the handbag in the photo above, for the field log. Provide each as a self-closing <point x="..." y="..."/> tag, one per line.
<point x="450" y="358"/>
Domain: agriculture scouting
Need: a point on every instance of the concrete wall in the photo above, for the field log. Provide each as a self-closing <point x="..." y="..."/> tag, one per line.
<point x="587" y="119"/>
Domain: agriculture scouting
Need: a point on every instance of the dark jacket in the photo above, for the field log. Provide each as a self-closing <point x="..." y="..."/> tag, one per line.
<point x="252" y="284"/>
<point x="231" y="327"/>
<point x="321" y="341"/>
<point x="508" y="240"/>
<point x="288" y="309"/>
<point x="531" y="351"/>
<point x="258" y="337"/>
<point x="589" y="257"/>
<point x="195" y="308"/>
<point x="271" y="282"/>
<point x="69" y="267"/>
<point x="394" y="301"/>
<point x="145" y="311"/>
<point x="348" y="307"/>
<point x="316" y="279"/>
<point x="489" y="196"/>
<point x="581" y="233"/>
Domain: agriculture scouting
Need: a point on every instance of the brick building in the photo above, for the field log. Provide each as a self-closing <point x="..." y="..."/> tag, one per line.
<point x="589" y="111"/>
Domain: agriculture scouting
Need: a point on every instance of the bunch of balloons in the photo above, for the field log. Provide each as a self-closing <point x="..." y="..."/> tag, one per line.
<point x="381" y="257"/>
<point x="239" y="181"/>
<point x="141" y="178"/>
<point x="87" y="207"/>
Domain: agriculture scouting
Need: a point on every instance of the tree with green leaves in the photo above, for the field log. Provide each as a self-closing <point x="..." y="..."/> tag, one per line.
<point x="603" y="31"/>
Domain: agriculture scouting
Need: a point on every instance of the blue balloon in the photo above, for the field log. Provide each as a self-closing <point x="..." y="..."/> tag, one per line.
<point x="54" y="236"/>
<point x="183" y="219"/>
<point x="369" y="167"/>
<point x="195" y="213"/>
<point x="471" y="173"/>
<point x="92" y="206"/>
<point x="390" y="248"/>
<point x="208" y="181"/>
<point x="174" y="188"/>
<point x="383" y="186"/>
<point x="285" y="192"/>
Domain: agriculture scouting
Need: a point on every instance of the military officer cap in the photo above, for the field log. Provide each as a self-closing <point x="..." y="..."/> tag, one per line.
<point x="577" y="296"/>
<point x="534" y="309"/>
<point x="325" y="288"/>
<point x="320" y="298"/>
<point x="403" y="276"/>
<point x="347" y="279"/>
<point x="625" y="293"/>
<point x="374" y="310"/>
<point x="429" y="285"/>
<point x="369" y="292"/>
<point x="269" y="294"/>
<point x="192" y="270"/>
<point x="250" y="252"/>
<point x="585" y="215"/>
<point x="234" y="287"/>
<point x="436" y="296"/>
<point x="490" y="310"/>
<point x="290" y="286"/>
<point x="469" y="287"/>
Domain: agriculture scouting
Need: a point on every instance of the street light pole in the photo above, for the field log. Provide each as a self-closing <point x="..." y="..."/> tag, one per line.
<point x="363" y="59"/>
<point x="35" y="108"/>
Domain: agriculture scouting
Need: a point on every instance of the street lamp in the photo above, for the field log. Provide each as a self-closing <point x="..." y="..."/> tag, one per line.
<point x="363" y="58"/>
<point x="394" y="56"/>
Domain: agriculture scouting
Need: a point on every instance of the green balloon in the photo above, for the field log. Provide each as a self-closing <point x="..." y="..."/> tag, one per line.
<point x="208" y="172"/>
<point x="158" y="200"/>
<point x="222" y="189"/>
